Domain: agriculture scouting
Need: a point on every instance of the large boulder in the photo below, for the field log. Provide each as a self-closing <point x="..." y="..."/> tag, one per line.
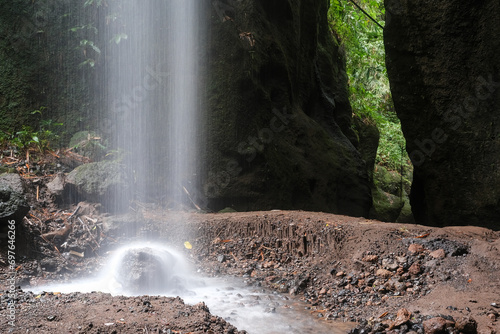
<point x="443" y="65"/>
<point x="146" y="270"/>
<point x="13" y="204"/>
<point x="279" y="120"/>
<point x="104" y="182"/>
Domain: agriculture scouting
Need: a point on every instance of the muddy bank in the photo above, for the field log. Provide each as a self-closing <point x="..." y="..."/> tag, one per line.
<point x="346" y="269"/>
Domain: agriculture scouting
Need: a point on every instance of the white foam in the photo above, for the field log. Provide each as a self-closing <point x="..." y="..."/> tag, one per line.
<point x="246" y="307"/>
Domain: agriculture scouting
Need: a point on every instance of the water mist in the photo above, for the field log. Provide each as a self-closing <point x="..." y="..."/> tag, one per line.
<point x="152" y="82"/>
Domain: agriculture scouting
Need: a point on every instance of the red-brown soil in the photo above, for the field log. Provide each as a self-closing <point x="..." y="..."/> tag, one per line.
<point x="334" y="263"/>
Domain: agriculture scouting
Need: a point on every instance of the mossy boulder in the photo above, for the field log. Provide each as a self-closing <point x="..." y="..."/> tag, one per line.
<point x="104" y="182"/>
<point x="386" y="207"/>
<point x="88" y="144"/>
<point x="227" y="210"/>
<point x="390" y="197"/>
<point x="368" y="136"/>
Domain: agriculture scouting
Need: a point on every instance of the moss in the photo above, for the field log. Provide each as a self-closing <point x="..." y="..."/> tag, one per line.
<point x="390" y="196"/>
<point x="95" y="179"/>
<point x="4" y="169"/>
<point x="40" y="66"/>
<point x="406" y="216"/>
<point x="386" y="207"/>
<point x="228" y="209"/>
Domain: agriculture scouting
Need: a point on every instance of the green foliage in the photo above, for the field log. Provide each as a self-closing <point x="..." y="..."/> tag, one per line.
<point x="27" y="137"/>
<point x="118" y="37"/>
<point x="391" y="150"/>
<point x="91" y="2"/>
<point x="370" y="94"/>
<point x="89" y="34"/>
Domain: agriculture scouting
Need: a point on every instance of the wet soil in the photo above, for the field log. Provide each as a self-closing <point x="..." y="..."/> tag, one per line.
<point x="381" y="277"/>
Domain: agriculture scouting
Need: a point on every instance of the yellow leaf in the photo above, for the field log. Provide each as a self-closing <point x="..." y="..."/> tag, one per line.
<point x="188" y="245"/>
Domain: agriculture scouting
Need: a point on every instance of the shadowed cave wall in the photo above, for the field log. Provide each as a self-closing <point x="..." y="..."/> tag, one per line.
<point x="444" y="69"/>
<point x="279" y="120"/>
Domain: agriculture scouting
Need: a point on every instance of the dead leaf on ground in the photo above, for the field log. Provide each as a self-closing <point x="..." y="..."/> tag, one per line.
<point x="402" y="317"/>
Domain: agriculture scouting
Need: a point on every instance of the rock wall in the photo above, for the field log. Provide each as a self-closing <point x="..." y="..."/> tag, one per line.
<point x="279" y="120"/>
<point x="41" y="57"/>
<point x="444" y="69"/>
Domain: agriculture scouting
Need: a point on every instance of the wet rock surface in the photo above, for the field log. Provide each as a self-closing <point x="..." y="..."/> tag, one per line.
<point x="13" y="204"/>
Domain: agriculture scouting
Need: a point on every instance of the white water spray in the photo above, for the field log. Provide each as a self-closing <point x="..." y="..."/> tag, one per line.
<point x="154" y="269"/>
<point x="153" y="92"/>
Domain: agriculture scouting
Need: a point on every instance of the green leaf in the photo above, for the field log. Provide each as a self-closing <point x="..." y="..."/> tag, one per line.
<point x="118" y="37"/>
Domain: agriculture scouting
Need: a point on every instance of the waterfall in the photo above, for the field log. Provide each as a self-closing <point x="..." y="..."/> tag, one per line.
<point x="152" y="80"/>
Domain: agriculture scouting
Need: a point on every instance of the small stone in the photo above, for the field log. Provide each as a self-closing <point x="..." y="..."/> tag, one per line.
<point x="384" y="273"/>
<point x="492" y="317"/>
<point x="466" y="325"/>
<point x="431" y="263"/>
<point x="390" y="264"/>
<point x="221" y="258"/>
<point x="340" y="274"/>
<point x="437" y="325"/>
<point x="322" y="291"/>
<point x="378" y="327"/>
<point x="415" y="269"/>
<point x="401" y="259"/>
<point x="343" y="282"/>
<point x="438" y="254"/>
<point x="51" y="317"/>
<point x="415" y="249"/>
<point x="370" y="258"/>
<point x="400" y="286"/>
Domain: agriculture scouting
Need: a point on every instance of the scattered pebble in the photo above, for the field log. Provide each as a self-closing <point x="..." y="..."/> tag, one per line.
<point x="415" y="249"/>
<point x="438" y="254"/>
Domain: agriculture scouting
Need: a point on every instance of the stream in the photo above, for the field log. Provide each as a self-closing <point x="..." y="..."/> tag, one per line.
<point x="154" y="269"/>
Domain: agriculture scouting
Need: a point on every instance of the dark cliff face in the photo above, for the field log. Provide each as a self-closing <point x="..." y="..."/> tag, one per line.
<point x="40" y="65"/>
<point x="279" y="119"/>
<point x="444" y="69"/>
